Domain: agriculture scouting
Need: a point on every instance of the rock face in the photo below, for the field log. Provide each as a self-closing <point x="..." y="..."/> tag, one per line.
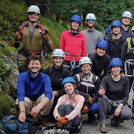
<point x="9" y="85"/>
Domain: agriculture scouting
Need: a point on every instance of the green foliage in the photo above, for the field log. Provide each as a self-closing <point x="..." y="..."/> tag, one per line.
<point x="12" y="14"/>
<point x="5" y="105"/>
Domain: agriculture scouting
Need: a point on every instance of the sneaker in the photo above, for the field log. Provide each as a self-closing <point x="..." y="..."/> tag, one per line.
<point x="115" y="122"/>
<point x="103" y="128"/>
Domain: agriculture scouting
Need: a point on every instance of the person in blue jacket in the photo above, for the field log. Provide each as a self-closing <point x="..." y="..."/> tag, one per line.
<point x="34" y="86"/>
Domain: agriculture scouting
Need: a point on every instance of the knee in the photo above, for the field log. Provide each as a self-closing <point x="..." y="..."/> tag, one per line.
<point x="62" y="107"/>
<point x="94" y="108"/>
<point x="69" y="106"/>
<point x="126" y="115"/>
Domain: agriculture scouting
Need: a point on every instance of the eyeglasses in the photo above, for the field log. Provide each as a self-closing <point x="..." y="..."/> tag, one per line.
<point x="93" y="20"/>
<point x="33" y="13"/>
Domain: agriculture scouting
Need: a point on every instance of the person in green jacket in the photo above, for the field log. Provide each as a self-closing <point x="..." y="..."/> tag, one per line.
<point x="32" y="38"/>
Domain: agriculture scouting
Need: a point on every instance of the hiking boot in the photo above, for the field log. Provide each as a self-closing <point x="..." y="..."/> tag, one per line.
<point x="103" y="127"/>
<point x="115" y="122"/>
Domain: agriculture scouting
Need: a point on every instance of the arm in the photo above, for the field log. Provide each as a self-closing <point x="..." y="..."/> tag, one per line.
<point x="83" y="47"/>
<point x="62" y="42"/>
<point x="77" y="109"/>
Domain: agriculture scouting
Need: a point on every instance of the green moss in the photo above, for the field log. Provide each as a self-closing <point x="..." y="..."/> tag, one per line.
<point x="5" y="105"/>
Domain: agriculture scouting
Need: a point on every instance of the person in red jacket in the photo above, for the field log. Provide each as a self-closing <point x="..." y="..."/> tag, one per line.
<point x="74" y="45"/>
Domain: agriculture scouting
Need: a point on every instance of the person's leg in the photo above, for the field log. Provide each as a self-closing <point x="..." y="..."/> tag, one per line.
<point x="126" y="113"/>
<point x="28" y="105"/>
<point x="105" y="107"/>
<point x="77" y="68"/>
<point x="46" y="110"/>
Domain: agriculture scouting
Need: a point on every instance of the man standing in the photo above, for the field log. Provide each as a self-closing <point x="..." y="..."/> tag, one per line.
<point x="126" y="19"/>
<point x="91" y="34"/>
<point x="32" y="38"/>
<point x="34" y="91"/>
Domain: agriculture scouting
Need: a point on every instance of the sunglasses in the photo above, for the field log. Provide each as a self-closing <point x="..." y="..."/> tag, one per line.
<point x="93" y="20"/>
<point x="33" y="13"/>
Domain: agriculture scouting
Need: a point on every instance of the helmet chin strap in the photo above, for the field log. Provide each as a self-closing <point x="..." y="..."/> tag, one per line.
<point x="33" y="21"/>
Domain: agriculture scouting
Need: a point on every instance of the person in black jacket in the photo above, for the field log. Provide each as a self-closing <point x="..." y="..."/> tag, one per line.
<point x="57" y="73"/>
<point x="115" y="90"/>
<point x="116" y="42"/>
<point x="100" y="60"/>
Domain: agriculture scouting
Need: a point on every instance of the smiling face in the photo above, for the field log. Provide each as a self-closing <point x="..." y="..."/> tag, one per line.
<point x="74" y="25"/>
<point x="100" y="51"/>
<point x="33" y="17"/>
<point x="90" y="24"/>
<point x="58" y="61"/>
<point x="34" y="66"/>
<point x="86" y="68"/>
<point x="116" y="70"/>
<point x="69" y="88"/>
<point x="126" y="21"/>
<point x="116" y="30"/>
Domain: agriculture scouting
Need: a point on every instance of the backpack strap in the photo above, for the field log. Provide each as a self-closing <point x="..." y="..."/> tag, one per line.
<point x="80" y="80"/>
<point x="129" y="44"/>
<point x="41" y="28"/>
<point x="94" y="78"/>
<point x="22" y="27"/>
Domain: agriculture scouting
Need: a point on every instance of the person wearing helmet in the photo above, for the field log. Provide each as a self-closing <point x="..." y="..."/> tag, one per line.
<point x="115" y="90"/>
<point x="68" y="109"/>
<point x="31" y="38"/>
<point x="57" y="73"/>
<point x="116" y="42"/>
<point x="34" y="87"/>
<point x="126" y="20"/>
<point x="100" y="60"/>
<point x="88" y="83"/>
<point x="74" y="45"/>
<point x="91" y="34"/>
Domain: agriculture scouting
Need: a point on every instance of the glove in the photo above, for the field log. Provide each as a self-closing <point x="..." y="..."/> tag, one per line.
<point x="18" y="34"/>
<point x="90" y="100"/>
<point x="59" y="124"/>
<point x="85" y="109"/>
<point x="45" y="35"/>
<point x="63" y="120"/>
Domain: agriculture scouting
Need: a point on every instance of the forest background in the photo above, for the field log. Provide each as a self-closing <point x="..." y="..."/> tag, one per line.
<point x="55" y="16"/>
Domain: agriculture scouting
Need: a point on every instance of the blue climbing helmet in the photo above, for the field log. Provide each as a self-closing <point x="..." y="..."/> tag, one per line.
<point x="116" y="62"/>
<point x="102" y="44"/>
<point x="68" y="79"/>
<point x="76" y="18"/>
<point x="116" y="23"/>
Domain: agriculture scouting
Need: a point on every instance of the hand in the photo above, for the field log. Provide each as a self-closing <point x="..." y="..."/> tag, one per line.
<point x="63" y="120"/>
<point x="55" y="93"/>
<point x="22" y="117"/>
<point x="59" y="124"/>
<point x="45" y="35"/>
<point x="117" y="111"/>
<point x="101" y="91"/>
<point x="90" y="100"/>
<point x="18" y="34"/>
<point x="35" y="110"/>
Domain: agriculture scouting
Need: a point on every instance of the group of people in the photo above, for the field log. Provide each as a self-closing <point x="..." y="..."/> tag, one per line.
<point x="87" y="75"/>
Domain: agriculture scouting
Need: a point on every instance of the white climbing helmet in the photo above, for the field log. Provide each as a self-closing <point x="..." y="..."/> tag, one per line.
<point x="58" y="52"/>
<point x="85" y="60"/>
<point x="34" y="8"/>
<point x="90" y="16"/>
<point x="132" y="28"/>
<point x="127" y="14"/>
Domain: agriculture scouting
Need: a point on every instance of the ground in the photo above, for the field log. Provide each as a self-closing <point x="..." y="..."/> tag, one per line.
<point x="127" y="127"/>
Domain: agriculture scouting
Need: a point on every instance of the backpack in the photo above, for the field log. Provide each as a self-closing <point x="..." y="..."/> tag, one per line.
<point x="12" y="125"/>
<point x="81" y="78"/>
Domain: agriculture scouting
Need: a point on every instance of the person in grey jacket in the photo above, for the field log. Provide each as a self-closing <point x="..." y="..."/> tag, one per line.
<point x="91" y="34"/>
